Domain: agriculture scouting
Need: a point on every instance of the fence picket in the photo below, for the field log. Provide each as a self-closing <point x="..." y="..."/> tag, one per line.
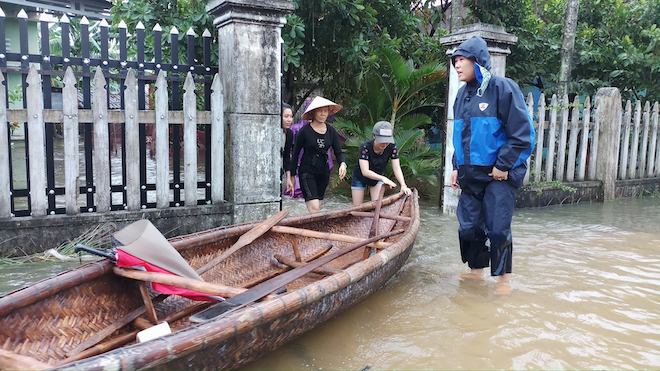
<point x="634" y="149"/>
<point x="625" y="143"/>
<point x="90" y="180"/>
<point x="37" y="144"/>
<point x="71" y="142"/>
<point x="5" y="198"/>
<point x="132" y="141"/>
<point x="190" y="141"/>
<point x="540" y="130"/>
<point x="162" y="143"/>
<point x="584" y="142"/>
<point x="653" y="161"/>
<point x="552" y="135"/>
<point x="645" y="140"/>
<point x="530" y="112"/>
<point x="572" y="142"/>
<point x="593" y="149"/>
<point x="561" y="156"/>
<point x="101" y="152"/>
<point x="217" y="141"/>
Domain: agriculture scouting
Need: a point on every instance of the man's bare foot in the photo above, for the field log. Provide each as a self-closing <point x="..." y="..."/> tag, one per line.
<point x="503" y="285"/>
<point x="473" y="274"/>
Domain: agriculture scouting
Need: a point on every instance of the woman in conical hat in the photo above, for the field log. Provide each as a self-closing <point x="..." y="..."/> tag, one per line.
<point x="315" y="139"/>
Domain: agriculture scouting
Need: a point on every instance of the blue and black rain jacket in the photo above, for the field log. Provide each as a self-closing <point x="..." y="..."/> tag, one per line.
<point x="492" y="126"/>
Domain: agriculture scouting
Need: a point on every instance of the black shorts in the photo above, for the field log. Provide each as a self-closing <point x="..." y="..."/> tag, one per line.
<point x="313" y="185"/>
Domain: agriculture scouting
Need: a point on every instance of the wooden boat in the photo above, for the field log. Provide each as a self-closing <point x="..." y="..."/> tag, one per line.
<point x="87" y="318"/>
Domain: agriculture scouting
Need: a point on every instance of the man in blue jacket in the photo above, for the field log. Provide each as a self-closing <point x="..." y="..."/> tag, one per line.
<point x="493" y="137"/>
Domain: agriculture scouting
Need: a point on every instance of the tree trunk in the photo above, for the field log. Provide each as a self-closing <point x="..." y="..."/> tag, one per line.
<point x="457" y="14"/>
<point x="568" y="45"/>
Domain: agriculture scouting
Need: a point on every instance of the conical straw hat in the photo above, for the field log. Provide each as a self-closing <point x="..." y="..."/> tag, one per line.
<point x="319" y="102"/>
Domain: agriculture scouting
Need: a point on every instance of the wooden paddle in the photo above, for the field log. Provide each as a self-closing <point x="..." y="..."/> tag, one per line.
<point x="267" y="287"/>
<point x="246" y="239"/>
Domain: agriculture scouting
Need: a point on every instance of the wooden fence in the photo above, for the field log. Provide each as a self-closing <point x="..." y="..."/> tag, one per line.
<point x="567" y="141"/>
<point x="83" y="45"/>
<point x="98" y="119"/>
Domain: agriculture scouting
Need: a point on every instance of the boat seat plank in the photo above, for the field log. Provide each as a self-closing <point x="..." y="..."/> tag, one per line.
<point x="365" y="214"/>
<point x="325" y="235"/>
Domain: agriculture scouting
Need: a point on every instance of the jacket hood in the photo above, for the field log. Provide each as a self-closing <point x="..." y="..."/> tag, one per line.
<point x="475" y="48"/>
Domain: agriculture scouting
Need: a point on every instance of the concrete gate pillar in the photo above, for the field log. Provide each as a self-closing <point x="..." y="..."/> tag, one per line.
<point x="498" y="41"/>
<point x="250" y="68"/>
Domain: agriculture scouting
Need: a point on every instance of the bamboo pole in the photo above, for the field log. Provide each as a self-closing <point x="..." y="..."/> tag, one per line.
<point x="178" y="281"/>
<point x="365" y="214"/>
<point x="148" y="303"/>
<point x="324" y="235"/>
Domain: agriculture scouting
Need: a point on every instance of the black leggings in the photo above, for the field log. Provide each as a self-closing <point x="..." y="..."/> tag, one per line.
<point x="313" y="185"/>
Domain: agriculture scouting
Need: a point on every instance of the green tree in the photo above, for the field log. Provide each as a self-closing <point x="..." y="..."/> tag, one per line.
<point x="332" y="44"/>
<point x="182" y="14"/>
<point x="616" y="42"/>
<point x="395" y="91"/>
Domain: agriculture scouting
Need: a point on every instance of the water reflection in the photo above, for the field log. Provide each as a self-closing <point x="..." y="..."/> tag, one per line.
<point x="586" y="293"/>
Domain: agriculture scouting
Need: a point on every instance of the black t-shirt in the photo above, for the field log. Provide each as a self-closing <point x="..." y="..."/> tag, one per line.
<point x="286" y="151"/>
<point x="316" y="145"/>
<point x="377" y="162"/>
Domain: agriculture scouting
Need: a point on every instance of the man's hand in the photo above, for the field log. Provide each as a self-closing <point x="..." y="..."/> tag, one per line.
<point x="498" y="174"/>
<point x="454" y="180"/>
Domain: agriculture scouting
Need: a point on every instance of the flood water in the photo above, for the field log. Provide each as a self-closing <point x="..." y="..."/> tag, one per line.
<point x="586" y="295"/>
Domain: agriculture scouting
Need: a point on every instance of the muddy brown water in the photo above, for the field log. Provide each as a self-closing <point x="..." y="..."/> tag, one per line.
<point x="586" y="295"/>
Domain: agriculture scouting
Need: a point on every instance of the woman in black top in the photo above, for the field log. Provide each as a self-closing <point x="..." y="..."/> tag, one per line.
<point x="374" y="156"/>
<point x="287" y="120"/>
<point x="315" y="139"/>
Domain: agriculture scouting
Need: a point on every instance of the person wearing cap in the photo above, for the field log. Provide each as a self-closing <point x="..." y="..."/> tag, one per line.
<point x="373" y="158"/>
<point x="315" y="139"/>
<point x="493" y="137"/>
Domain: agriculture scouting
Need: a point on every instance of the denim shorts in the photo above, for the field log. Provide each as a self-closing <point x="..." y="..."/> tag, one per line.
<point x="358" y="183"/>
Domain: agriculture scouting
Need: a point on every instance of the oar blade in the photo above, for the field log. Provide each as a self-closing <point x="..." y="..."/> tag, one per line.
<point x="213" y="312"/>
